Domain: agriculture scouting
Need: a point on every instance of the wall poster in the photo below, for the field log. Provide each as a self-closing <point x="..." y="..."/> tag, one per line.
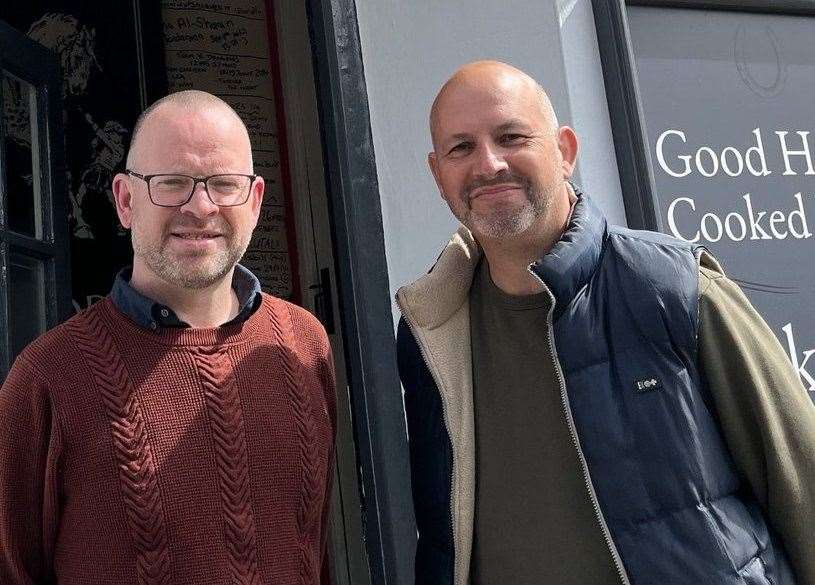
<point x="727" y="108"/>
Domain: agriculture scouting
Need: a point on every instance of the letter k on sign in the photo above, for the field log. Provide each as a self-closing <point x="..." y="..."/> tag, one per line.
<point x="806" y="377"/>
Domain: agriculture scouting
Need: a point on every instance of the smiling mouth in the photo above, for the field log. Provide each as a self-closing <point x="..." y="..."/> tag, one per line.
<point x="493" y="190"/>
<point x="195" y="236"/>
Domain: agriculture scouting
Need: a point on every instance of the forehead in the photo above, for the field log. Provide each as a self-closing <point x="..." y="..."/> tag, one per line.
<point x="179" y="138"/>
<point x="473" y="107"/>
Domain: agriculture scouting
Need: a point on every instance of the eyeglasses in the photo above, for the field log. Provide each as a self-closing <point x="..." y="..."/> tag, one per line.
<point x="173" y="190"/>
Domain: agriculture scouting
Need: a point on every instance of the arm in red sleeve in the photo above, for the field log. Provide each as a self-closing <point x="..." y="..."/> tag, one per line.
<point x="29" y="451"/>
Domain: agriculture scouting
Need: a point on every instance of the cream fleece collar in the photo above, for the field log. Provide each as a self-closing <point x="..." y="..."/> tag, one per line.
<point x="435" y="297"/>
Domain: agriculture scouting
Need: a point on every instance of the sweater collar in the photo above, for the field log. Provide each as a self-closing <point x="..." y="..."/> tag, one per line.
<point x="434" y="298"/>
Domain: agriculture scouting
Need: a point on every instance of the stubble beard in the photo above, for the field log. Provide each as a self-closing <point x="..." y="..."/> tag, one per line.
<point x="502" y="222"/>
<point x="202" y="272"/>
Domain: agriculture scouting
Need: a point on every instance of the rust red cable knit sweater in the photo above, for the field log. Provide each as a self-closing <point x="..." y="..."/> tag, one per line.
<point x="186" y="456"/>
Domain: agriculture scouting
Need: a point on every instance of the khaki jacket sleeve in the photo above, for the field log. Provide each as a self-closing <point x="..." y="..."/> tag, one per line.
<point x="767" y="417"/>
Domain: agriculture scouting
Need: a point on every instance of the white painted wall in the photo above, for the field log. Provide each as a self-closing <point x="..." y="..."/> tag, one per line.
<point x="410" y="48"/>
<point x="587" y="97"/>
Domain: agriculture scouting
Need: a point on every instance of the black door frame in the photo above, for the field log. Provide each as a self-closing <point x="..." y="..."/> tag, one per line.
<point x="362" y="274"/>
<point x="623" y="95"/>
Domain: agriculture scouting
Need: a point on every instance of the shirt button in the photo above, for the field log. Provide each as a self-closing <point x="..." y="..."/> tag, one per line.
<point x="165" y="313"/>
<point x="153" y="325"/>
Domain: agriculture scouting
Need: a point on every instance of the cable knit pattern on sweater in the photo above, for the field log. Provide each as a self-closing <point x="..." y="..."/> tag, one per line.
<point x="134" y="456"/>
<point x="226" y="422"/>
<point x="307" y="513"/>
<point x="178" y="456"/>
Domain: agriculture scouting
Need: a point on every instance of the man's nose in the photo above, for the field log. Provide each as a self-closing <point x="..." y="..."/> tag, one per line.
<point x="489" y="161"/>
<point x="200" y="205"/>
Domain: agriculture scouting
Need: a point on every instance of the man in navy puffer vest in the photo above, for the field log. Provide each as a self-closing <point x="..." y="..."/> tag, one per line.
<point x="587" y="404"/>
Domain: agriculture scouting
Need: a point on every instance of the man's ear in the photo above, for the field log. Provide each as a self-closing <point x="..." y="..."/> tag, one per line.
<point x="256" y="196"/>
<point x="568" y="146"/>
<point x="124" y="199"/>
<point x="433" y="163"/>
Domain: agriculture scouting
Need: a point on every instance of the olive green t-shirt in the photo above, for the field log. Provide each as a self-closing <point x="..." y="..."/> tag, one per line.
<point x="534" y="521"/>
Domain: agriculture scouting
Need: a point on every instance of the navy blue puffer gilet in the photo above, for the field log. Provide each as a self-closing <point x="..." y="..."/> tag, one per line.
<point x="625" y="330"/>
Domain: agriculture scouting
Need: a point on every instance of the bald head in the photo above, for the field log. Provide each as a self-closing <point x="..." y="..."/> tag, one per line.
<point x="188" y="101"/>
<point x="491" y="76"/>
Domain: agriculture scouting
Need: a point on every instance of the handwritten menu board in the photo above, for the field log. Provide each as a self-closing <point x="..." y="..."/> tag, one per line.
<point x="223" y="48"/>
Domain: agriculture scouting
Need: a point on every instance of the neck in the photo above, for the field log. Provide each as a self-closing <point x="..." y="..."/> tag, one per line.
<point x="200" y="307"/>
<point x="509" y="257"/>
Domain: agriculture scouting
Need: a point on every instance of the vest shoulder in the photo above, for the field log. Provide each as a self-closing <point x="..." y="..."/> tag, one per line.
<point x="646" y="237"/>
<point x="660" y="262"/>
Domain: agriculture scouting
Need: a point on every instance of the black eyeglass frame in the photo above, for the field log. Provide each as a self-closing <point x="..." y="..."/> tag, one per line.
<point x="196" y="180"/>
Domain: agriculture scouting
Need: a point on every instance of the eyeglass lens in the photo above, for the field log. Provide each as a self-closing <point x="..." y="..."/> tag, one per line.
<point x="176" y="189"/>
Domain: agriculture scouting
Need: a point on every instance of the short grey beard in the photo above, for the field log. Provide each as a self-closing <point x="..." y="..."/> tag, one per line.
<point x="173" y="272"/>
<point x="510" y="225"/>
<point x="505" y="226"/>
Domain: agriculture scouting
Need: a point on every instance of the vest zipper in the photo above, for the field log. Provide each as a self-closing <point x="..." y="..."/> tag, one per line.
<point x="446" y="418"/>
<point x="567" y="411"/>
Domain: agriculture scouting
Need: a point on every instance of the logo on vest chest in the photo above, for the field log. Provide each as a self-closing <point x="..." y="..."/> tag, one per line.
<point x="647" y="385"/>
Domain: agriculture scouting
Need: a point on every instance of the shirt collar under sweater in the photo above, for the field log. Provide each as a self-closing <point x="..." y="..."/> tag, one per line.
<point x="191" y="337"/>
<point x="151" y="314"/>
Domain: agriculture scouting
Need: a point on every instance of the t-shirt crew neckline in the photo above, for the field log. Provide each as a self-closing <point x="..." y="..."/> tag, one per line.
<point x="494" y="294"/>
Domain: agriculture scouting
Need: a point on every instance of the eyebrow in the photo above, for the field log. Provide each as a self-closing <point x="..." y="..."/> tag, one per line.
<point x="512" y="124"/>
<point x="459" y="136"/>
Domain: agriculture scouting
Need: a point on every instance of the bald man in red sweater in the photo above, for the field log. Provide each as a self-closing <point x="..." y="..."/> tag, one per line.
<point x="182" y="429"/>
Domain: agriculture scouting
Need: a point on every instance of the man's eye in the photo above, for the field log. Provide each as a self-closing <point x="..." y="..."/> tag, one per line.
<point x="223" y="185"/>
<point x="166" y="182"/>
<point x="460" y="148"/>
<point x="512" y="138"/>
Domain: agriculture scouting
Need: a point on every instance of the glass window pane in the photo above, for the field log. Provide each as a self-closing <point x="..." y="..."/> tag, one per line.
<point x="21" y="165"/>
<point x="26" y="300"/>
<point x="727" y="100"/>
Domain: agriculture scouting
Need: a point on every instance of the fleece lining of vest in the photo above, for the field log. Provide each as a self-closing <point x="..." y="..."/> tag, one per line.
<point x="437" y="309"/>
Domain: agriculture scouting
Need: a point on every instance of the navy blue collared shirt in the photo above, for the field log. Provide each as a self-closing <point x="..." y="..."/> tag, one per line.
<point x="148" y="313"/>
